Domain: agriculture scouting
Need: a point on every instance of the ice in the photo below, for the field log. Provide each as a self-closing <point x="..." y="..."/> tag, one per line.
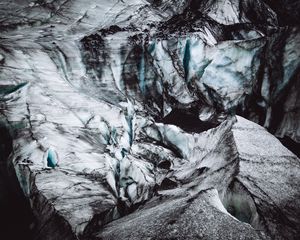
<point x="123" y="117"/>
<point x="51" y="158"/>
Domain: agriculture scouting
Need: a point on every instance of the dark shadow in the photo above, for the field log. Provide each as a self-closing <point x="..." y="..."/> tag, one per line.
<point x="188" y="120"/>
<point x="16" y="216"/>
<point x="291" y="145"/>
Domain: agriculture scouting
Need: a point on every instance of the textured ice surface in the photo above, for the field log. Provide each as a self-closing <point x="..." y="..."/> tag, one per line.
<point x="123" y="118"/>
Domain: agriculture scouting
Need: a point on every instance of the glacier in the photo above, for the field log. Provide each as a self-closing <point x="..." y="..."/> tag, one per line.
<point x="149" y="119"/>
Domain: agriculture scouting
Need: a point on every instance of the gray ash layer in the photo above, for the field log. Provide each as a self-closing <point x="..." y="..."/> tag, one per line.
<point x="161" y="119"/>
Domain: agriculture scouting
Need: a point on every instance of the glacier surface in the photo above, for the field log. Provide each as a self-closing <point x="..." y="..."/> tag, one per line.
<point x="159" y="119"/>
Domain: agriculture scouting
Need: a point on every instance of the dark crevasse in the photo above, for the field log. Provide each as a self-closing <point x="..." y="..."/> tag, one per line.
<point x="16" y="218"/>
<point x="288" y="11"/>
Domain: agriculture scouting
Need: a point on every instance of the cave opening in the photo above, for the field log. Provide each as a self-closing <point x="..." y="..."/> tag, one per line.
<point x="239" y="203"/>
<point x="188" y="120"/>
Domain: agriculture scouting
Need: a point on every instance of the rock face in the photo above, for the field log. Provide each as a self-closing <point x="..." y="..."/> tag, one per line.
<point x="128" y="119"/>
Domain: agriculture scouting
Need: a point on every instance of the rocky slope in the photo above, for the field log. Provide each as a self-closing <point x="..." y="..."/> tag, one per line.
<point x="127" y="119"/>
